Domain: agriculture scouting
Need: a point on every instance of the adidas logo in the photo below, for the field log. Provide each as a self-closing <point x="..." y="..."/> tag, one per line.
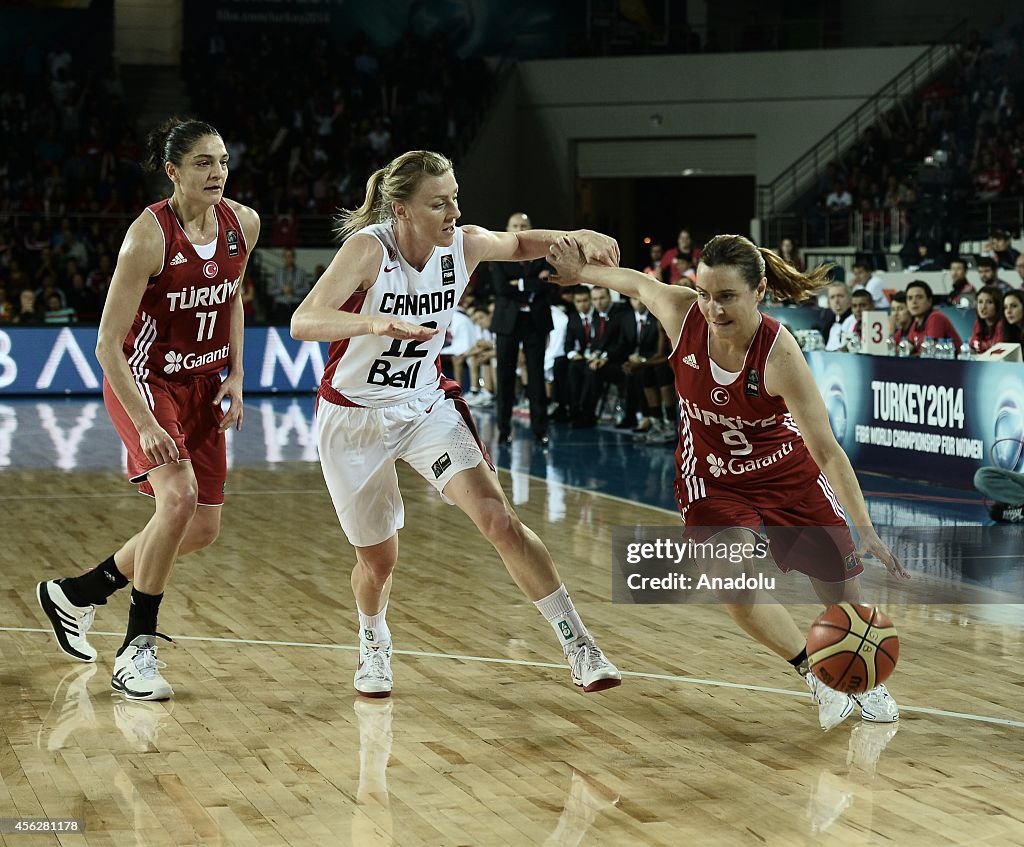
<point x="178" y="259"/>
<point x="691" y="360"/>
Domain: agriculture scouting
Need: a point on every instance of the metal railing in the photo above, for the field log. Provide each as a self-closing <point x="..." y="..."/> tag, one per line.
<point x="887" y="230"/>
<point x="787" y="186"/>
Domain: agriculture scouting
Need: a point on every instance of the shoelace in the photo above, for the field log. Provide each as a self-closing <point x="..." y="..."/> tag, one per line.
<point x="146" y="661"/>
<point x="375" y="660"/>
<point x="86" y="622"/>
<point x="588" y="656"/>
<point x="822" y="694"/>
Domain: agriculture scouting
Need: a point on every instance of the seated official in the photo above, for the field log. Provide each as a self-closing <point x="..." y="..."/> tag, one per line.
<point x="839" y="321"/>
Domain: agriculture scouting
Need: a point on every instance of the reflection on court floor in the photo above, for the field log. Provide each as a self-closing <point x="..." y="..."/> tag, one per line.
<point x="711" y="740"/>
<point x="76" y="434"/>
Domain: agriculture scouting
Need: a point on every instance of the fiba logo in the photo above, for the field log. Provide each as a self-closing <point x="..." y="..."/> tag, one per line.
<point x="1008" y="446"/>
<point x="835" y="403"/>
<point x="210" y="269"/>
<point x="719" y="396"/>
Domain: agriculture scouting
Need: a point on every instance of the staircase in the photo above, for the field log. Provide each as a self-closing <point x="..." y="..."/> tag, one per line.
<point x="776" y="197"/>
<point x="157" y="92"/>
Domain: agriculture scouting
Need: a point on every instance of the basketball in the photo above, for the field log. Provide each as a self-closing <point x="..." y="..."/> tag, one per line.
<point x="852" y="647"/>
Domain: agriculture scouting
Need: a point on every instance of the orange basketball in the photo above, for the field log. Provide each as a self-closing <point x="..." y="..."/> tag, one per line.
<point x="852" y="647"/>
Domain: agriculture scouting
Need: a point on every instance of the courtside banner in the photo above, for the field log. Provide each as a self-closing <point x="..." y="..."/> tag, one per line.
<point x="927" y="419"/>
<point x="61" y="360"/>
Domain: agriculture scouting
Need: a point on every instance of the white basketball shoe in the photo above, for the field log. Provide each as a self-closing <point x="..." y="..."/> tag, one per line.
<point x="590" y="669"/>
<point x="877" y="705"/>
<point x="70" y="623"/>
<point x="373" y="674"/>
<point x="834" y="707"/>
<point x="137" y="672"/>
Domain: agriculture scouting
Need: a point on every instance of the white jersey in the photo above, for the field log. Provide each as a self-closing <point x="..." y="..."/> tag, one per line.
<point x="372" y="371"/>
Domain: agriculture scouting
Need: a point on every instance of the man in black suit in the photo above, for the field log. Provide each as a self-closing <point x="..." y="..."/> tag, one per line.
<point x="636" y="337"/>
<point x="522" y="316"/>
<point x="585" y="336"/>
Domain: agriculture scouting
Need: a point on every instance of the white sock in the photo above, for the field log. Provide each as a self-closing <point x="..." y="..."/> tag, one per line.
<point x="558" y="611"/>
<point x="373" y="629"/>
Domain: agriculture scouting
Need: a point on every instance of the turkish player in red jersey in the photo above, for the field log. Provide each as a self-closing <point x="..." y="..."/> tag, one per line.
<point x="755" y="446"/>
<point x="171" y="323"/>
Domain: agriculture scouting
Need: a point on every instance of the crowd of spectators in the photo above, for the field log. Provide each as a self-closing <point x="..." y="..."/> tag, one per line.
<point x="69" y="178"/>
<point x="305" y="123"/>
<point x="910" y="176"/>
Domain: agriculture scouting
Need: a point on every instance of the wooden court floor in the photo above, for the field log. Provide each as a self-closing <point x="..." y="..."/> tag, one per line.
<point x="709" y="741"/>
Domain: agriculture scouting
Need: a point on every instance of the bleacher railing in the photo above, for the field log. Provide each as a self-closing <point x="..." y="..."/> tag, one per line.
<point x="887" y="229"/>
<point x="788" y="186"/>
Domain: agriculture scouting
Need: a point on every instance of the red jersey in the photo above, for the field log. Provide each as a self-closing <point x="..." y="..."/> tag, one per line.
<point x="183" y="326"/>
<point x="735" y="441"/>
<point x="994" y="336"/>
<point x="936" y="325"/>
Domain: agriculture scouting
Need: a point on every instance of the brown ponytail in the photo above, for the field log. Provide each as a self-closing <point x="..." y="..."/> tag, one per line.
<point x="784" y="281"/>
<point x="787" y="283"/>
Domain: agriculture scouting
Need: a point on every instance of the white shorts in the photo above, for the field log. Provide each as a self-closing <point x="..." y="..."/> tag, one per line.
<point x="359" y="448"/>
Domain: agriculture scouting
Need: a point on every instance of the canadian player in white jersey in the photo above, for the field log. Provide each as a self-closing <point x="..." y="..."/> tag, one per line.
<point x="384" y="305"/>
<point x="369" y="373"/>
<point x="161" y="359"/>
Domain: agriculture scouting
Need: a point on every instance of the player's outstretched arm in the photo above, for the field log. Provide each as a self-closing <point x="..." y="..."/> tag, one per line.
<point x="483" y="245"/>
<point x="668" y="303"/>
<point x="354" y="268"/>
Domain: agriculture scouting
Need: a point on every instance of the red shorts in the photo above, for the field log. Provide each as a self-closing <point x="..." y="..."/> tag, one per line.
<point x="186" y="410"/>
<point x="808" y="535"/>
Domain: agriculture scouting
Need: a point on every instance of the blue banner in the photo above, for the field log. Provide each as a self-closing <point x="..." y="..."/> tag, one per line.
<point x="925" y="419"/>
<point x="61" y="360"/>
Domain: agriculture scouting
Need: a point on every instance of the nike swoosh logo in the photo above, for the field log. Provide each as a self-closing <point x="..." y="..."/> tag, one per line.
<point x="389" y="270"/>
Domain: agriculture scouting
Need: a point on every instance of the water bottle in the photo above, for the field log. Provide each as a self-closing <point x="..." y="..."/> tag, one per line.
<point x="965" y="352"/>
<point x="928" y="348"/>
<point x="890" y="346"/>
<point x="904" y="348"/>
<point x="948" y="349"/>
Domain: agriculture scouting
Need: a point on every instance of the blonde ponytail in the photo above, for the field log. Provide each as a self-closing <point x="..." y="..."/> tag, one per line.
<point x="396" y="182"/>
<point x="371" y="212"/>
